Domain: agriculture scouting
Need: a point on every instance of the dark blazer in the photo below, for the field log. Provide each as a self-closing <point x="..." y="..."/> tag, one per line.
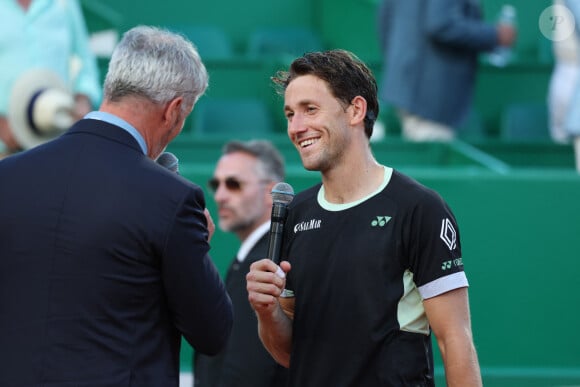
<point x="244" y="362"/>
<point x="430" y="58"/>
<point x="103" y="265"/>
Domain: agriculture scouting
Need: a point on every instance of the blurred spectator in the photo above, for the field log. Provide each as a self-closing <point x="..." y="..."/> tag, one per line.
<point x="564" y="93"/>
<point x="241" y="184"/>
<point x="51" y="35"/>
<point x="565" y="79"/>
<point x="430" y="60"/>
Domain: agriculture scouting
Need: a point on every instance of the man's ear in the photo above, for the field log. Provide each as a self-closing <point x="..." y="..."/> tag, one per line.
<point x="172" y="112"/>
<point x="359" y="110"/>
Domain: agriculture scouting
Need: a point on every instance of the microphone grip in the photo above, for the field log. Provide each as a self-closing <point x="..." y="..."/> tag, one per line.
<point x="279" y="213"/>
<point x="275" y="242"/>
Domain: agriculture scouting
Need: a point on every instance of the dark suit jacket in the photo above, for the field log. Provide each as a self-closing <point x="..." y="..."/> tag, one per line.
<point x="244" y="362"/>
<point x="430" y="50"/>
<point x="103" y="265"/>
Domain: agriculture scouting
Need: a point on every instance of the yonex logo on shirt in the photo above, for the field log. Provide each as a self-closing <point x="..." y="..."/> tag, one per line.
<point x="446" y="265"/>
<point x="380" y="221"/>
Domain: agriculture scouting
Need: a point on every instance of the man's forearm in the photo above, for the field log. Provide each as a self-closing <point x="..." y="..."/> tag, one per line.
<point x="461" y="365"/>
<point x="276" y="335"/>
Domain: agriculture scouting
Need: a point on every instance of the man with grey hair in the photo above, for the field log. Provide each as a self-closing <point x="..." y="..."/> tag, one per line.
<point x="104" y="259"/>
<point x="242" y="184"/>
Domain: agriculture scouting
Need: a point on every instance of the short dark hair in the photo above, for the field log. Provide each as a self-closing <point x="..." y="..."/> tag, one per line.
<point x="346" y="75"/>
<point x="270" y="158"/>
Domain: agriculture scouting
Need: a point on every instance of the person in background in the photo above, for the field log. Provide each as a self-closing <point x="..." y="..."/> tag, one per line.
<point x="564" y="79"/>
<point x="51" y="35"/>
<point x="104" y="262"/>
<point x="241" y="185"/>
<point x="430" y="56"/>
<point x="371" y="259"/>
<point x="572" y="120"/>
<point x="564" y="90"/>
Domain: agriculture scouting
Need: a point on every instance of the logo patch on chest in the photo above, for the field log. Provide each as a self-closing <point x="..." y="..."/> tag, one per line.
<point x="380" y="221"/>
<point x="308" y="225"/>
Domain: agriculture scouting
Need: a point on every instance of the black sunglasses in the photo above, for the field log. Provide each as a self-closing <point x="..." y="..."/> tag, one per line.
<point x="232" y="184"/>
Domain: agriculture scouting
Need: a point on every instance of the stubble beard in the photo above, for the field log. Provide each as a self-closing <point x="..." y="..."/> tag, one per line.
<point x="322" y="161"/>
<point x="237" y="225"/>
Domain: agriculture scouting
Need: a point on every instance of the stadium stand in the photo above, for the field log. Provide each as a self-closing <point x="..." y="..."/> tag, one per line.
<point x="525" y="122"/>
<point x="212" y="42"/>
<point x="232" y="117"/>
<point x="285" y="43"/>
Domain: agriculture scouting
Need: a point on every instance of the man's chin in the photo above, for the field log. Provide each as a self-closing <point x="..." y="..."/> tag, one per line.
<point x="226" y="227"/>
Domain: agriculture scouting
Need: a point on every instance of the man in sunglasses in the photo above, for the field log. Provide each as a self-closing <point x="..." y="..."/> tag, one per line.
<point x="241" y="185"/>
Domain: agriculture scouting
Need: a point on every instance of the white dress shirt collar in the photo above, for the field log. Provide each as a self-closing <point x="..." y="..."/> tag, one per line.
<point x="251" y="241"/>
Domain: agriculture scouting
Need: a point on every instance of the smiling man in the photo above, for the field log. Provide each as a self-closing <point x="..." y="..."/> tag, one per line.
<point x="371" y="257"/>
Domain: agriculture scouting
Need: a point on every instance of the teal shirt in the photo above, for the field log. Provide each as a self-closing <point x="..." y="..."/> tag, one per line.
<point x="51" y="34"/>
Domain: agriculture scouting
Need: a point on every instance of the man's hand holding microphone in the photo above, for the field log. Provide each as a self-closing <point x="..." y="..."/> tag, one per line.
<point x="266" y="283"/>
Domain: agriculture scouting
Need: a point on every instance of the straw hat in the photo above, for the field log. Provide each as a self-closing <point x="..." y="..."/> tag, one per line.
<point x="40" y="107"/>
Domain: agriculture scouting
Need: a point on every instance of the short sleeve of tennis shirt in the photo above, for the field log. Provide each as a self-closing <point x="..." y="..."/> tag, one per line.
<point x="434" y="247"/>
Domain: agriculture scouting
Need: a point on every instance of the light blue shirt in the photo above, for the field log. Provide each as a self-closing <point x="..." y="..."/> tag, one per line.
<point x="48" y="35"/>
<point x="114" y="120"/>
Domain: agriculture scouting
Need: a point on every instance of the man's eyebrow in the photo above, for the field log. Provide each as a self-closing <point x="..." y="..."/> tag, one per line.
<point x="304" y="102"/>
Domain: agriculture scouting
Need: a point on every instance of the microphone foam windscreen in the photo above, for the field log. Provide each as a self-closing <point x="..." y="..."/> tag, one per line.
<point x="282" y="193"/>
<point x="169" y="161"/>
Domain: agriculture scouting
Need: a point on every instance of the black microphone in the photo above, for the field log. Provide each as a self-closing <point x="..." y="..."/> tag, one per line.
<point x="282" y="195"/>
<point x="169" y="161"/>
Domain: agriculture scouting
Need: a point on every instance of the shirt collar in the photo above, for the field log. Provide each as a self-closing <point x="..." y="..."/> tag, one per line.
<point x="251" y="241"/>
<point x="114" y="120"/>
